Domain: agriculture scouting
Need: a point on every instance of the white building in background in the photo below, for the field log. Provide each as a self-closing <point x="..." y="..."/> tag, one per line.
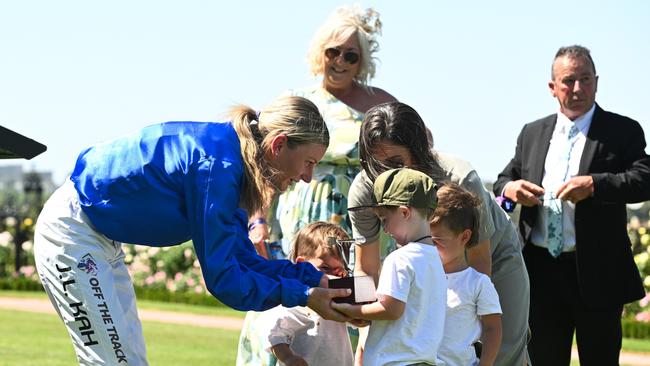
<point x="13" y="177"/>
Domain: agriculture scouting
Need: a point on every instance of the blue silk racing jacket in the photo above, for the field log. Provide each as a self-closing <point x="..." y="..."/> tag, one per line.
<point x="176" y="181"/>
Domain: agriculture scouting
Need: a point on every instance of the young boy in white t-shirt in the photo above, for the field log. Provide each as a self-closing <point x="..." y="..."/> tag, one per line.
<point x="408" y="318"/>
<point x="473" y="310"/>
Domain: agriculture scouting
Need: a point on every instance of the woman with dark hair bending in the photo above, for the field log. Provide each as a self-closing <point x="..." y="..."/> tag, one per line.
<point x="393" y="135"/>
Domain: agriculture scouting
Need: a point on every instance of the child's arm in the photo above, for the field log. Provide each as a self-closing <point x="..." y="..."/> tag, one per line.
<point x="277" y="328"/>
<point x="491" y="338"/>
<point x="385" y="308"/>
<point x="286" y="355"/>
<point x="395" y="279"/>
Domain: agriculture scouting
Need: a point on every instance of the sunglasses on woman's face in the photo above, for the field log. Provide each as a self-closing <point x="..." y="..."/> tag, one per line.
<point x="350" y="57"/>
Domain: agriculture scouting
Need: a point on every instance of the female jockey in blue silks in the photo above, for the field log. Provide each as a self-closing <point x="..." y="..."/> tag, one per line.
<point x="164" y="185"/>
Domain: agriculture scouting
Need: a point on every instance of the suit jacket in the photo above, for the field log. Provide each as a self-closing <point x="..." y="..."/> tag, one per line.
<point x="614" y="155"/>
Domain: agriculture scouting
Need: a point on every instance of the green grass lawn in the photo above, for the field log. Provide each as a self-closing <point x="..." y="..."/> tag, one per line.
<point x="146" y="304"/>
<point x="40" y="339"/>
<point x="629" y="345"/>
<point x="32" y="339"/>
<point x="636" y="345"/>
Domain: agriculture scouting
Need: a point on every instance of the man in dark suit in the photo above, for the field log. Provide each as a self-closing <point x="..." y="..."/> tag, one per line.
<point x="573" y="172"/>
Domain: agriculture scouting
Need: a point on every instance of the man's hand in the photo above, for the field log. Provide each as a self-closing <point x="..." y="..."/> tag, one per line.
<point x="576" y="189"/>
<point x="320" y="300"/>
<point x="523" y="192"/>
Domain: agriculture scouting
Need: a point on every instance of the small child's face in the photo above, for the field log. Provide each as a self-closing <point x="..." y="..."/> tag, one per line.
<point x="451" y="245"/>
<point x="394" y="223"/>
<point x="329" y="264"/>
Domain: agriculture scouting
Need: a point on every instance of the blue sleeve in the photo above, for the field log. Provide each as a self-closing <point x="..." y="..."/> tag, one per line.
<point x="233" y="273"/>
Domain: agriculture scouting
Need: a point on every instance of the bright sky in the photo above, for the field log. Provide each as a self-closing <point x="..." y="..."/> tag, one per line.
<point x="73" y="73"/>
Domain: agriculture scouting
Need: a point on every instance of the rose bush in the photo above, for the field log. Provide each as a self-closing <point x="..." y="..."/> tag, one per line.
<point x="639" y="232"/>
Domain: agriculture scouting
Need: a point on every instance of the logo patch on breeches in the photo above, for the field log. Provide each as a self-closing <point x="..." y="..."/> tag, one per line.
<point x="88" y="264"/>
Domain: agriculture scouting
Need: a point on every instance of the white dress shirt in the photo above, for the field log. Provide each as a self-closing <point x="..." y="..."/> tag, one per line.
<point x="554" y="174"/>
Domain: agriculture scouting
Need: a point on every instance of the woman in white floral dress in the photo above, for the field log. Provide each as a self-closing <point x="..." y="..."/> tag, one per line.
<point x="342" y="52"/>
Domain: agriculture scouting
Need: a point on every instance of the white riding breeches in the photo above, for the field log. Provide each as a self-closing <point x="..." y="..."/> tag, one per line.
<point x="84" y="275"/>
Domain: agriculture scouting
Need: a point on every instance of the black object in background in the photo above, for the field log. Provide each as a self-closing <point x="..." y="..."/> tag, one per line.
<point x="16" y="146"/>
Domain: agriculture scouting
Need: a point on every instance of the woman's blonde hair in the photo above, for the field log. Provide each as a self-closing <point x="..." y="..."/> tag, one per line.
<point x="343" y="23"/>
<point x="314" y="239"/>
<point x="295" y="117"/>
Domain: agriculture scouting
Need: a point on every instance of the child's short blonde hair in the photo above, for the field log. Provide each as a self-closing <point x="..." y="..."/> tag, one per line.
<point x="458" y="210"/>
<point x="314" y="240"/>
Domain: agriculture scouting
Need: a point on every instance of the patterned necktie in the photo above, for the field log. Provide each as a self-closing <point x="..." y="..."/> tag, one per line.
<point x="553" y="205"/>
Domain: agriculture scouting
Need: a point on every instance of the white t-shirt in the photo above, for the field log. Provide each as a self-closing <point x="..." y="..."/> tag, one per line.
<point x="318" y="341"/>
<point x="414" y="275"/>
<point x="470" y="294"/>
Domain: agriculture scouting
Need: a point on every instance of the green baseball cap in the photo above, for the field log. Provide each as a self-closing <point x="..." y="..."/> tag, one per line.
<point x="403" y="187"/>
